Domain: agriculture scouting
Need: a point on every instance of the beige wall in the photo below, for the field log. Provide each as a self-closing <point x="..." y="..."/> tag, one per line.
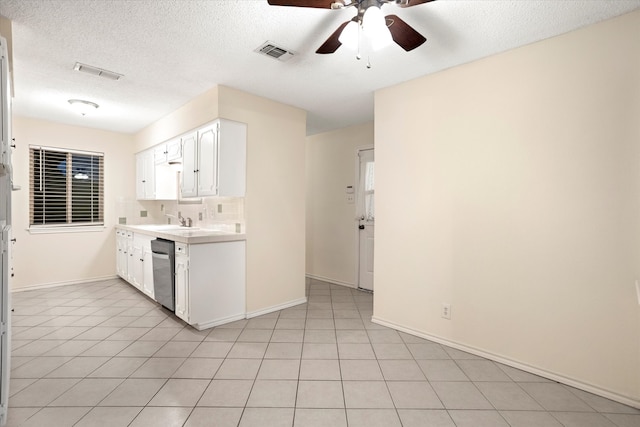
<point x="510" y="188"/>
<point x="274" y="203"/>
<point x="44" y="259"/>
<point x="331" y="229"/>
<point x="198" y="111"/>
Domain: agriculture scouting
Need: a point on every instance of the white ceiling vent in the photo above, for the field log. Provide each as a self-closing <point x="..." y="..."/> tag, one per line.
<point x="276" y="52"/>
<point x="89" y="69"/>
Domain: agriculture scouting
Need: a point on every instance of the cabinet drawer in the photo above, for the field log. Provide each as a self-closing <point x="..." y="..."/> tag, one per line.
<point x="182" y="249"/>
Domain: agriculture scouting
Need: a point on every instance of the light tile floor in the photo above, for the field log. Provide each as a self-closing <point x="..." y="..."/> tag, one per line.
<point x="101" y="354"/>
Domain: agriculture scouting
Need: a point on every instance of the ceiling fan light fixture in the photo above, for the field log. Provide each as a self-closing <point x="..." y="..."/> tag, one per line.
<point x="349" y="36"/>
<point x="374" y="25"/>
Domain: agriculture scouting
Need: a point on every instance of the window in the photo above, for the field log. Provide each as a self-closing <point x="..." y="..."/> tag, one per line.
<point x="366" y="209"/>
<point x="66" y="188"/>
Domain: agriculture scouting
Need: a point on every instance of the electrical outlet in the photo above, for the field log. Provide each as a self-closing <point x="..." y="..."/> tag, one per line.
<point x="219" y="207"/>
<point x="351" y="198"/>
<point x="199" y="216"/>
<point x="446" y="311"/>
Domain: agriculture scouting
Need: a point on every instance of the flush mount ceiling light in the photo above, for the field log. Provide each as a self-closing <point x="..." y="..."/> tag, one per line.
<point x="83" y="107"/>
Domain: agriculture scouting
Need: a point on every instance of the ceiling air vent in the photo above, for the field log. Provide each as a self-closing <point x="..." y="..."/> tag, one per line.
<point x="89" y="69"/>
<point x="276" y="52"/>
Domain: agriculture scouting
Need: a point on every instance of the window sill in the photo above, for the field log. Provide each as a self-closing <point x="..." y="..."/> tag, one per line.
<point x="56" y="230"/>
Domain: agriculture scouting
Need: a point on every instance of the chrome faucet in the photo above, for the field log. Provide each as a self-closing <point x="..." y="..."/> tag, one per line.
<point x="183" y="221"/>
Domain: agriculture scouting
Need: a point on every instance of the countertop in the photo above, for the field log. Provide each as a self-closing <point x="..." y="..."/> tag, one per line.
<point x="188" y="235"/>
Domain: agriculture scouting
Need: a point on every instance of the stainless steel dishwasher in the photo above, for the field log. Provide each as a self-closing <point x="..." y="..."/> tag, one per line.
<point x="164" y="262"/>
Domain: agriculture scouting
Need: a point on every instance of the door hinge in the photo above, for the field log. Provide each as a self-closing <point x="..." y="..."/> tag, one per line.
<point x="3" y="328"/>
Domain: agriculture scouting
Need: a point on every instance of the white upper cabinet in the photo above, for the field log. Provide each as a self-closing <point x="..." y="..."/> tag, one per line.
<point x="145" y="175"/>
<point x="156" y="179"/>
<point x="188" y="183"/>
<point x="160" y="154"/>
<point x="214" y="160"/>
<point x="207" y="160"/>
<point x="174" y="150"/>
<point x="168" y="152"/>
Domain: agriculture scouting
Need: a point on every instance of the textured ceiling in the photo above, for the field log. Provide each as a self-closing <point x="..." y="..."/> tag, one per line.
<point x="170" y="51"/>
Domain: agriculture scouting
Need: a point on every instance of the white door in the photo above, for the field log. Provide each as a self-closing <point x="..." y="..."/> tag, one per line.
<point x="366" y="218"/>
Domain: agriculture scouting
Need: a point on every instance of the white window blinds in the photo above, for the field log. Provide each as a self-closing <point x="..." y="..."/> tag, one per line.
<point x="66" y="187"/>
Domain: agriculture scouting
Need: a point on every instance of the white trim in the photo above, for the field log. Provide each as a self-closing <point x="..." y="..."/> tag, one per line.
<point x="333" y="281"/>
<point x="573" y="382"/>
<point x="217" y="322"/>
<point x="67" y="229"/>
<point x="66" y="150"/>
<point x="66" y="283"/>
<point x="276" y="307"/>
<point x="355" y="228"/>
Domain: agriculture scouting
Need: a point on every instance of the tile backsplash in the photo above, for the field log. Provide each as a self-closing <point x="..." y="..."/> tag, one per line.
<point x="210" y="212"/>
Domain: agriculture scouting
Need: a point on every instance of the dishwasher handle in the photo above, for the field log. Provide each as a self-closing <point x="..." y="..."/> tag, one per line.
<point x="159" y="255"/>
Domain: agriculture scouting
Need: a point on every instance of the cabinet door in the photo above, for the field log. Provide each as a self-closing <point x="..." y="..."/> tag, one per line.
<point x="149" y="175"/>
<point x="188" y="182"/>
<point x="147" y="273"/>
<point x="174" y="150"/>
<point x="140" y="176"/>
<point x="138" y="268"/>
<point x="182" y="288"/>
<point x="145" y="175"/>
<point x="208" y="161"/>
<point x="160" y="154"/>
<point x="121" y="255"/>
<point x="130" y="262"/>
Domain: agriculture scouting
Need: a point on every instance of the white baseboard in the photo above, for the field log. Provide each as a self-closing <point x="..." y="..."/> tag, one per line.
<point x="626" y="400"/>
<point x="276" y="307"/>
<point x="333" y="281"/>
<point x="65" y="283"/>
<point x="218" y="322"/>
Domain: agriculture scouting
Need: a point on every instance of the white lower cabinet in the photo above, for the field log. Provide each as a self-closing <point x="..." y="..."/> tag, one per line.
<point x="121" y="254"/>
<point x="210" y="283"/>
<point x="182" y="281"/>
<point x="144" y="281"/>
<point x="134" y="261"/>
<point x="209" y="277"/>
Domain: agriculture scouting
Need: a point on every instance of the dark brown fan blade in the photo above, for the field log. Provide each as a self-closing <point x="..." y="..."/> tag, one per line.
<point x="320" y="4"/>
<point x="409" y="3"/>
<point x="332" y="43"/>
<point x="402" y="33"/>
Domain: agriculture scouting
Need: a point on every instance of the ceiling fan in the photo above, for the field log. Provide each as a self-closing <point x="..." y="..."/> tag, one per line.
<point x="381" y="30"/>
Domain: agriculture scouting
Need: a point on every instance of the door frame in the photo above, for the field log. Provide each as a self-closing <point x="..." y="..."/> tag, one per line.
<point x="355" y="216"/>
